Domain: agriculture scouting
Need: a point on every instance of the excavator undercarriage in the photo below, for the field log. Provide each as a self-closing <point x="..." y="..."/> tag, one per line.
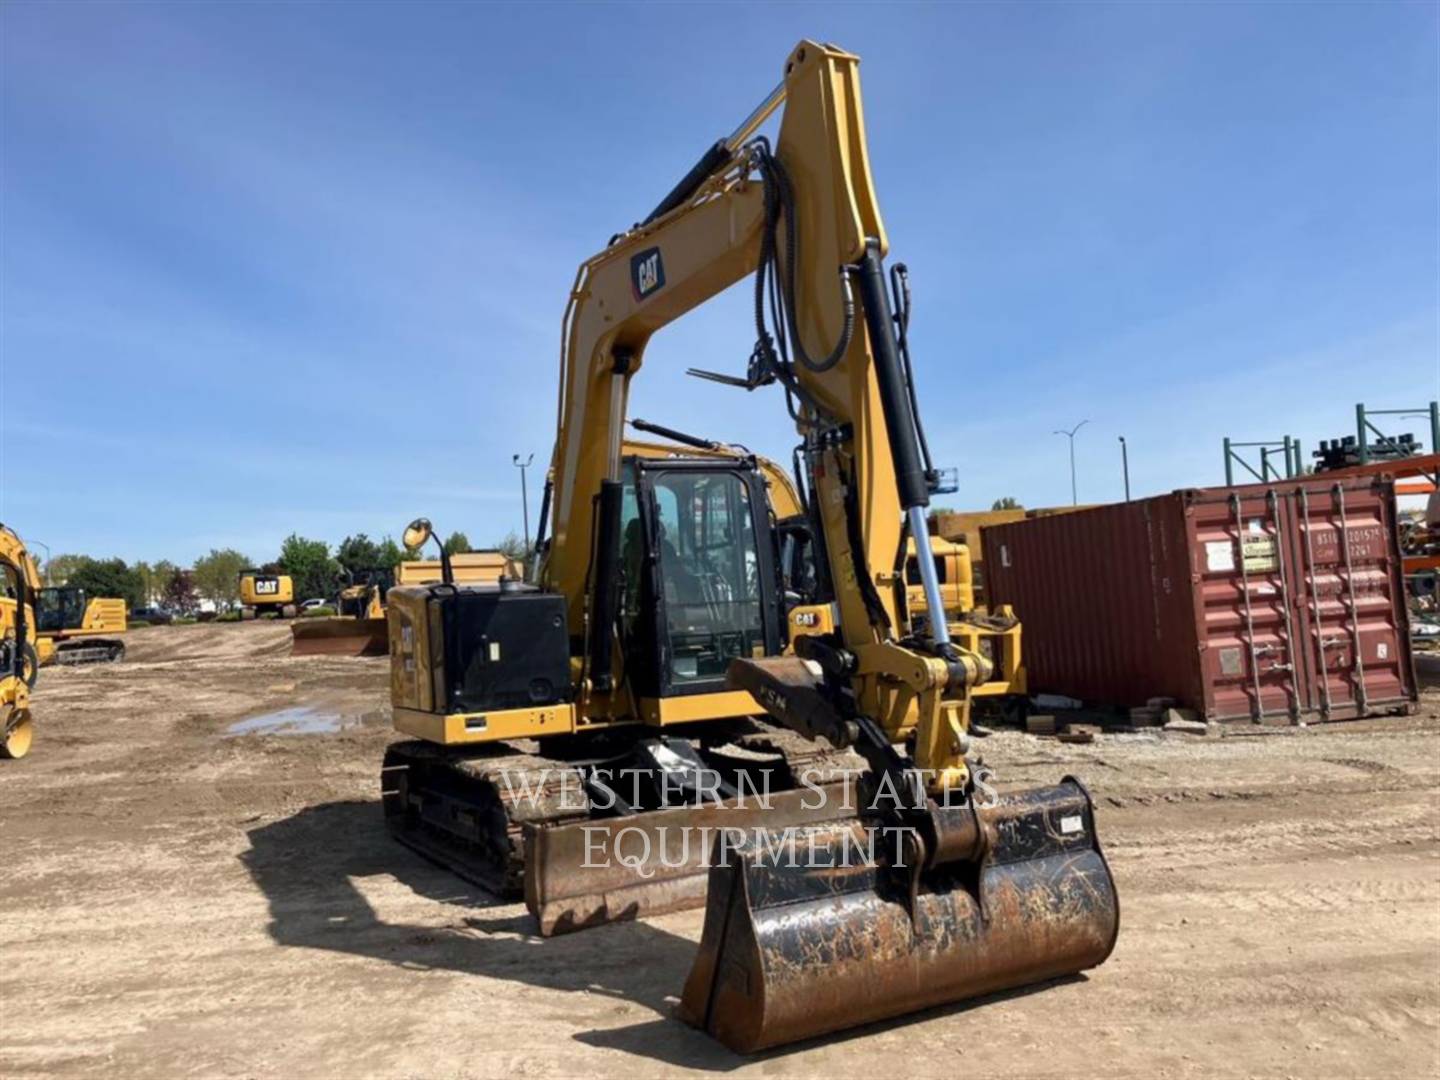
<point x="613" y="830"/>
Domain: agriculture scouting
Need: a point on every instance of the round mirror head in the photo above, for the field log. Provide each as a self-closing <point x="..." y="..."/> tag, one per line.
<point x="417" y="533"/>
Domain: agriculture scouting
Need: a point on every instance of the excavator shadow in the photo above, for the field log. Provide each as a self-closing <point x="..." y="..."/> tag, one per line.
<point x="308" y="865"/>
<point x="651" y="1038"/>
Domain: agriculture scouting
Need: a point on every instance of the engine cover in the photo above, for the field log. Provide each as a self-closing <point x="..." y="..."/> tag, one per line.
<point x="505" y="647"/>
<point x="473" y="649"/>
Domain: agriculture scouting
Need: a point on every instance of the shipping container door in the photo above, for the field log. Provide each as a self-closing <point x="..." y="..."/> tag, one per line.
<point x="1244" y="591"/>
<point x="1356" y="650"/>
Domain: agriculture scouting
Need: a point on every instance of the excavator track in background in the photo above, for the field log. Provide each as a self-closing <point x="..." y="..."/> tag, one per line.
<point x="89" y="652"/>
<point x="513" y="821"/>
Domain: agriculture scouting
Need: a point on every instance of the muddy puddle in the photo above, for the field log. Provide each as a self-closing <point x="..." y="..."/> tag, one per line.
<point x="303" y="720"/>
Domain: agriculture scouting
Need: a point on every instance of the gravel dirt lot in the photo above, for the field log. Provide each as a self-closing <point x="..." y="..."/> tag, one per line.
<point x="179" y="898"/>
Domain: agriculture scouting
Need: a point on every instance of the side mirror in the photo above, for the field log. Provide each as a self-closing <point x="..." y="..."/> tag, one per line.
<point x="420" y="532"/>
<point x="417" y="533"/>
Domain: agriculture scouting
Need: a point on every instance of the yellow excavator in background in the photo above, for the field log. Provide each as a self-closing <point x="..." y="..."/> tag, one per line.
<point x="649" y="663"/>
<point x="266" y="594"/>
<point x="74" y="627"/>
<point x="19" y="660"/>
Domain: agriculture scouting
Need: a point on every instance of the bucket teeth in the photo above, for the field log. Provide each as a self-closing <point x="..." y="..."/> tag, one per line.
<point x="790" y="951"/>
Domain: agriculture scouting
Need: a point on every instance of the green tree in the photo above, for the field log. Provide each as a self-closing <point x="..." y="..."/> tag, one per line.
<point x="149" y="583"/>
<point x="390" y="554"/>
<point x="108" y="578"/>
<point x="57" y="571"/>
<point x="216" y="576"/>
<point x="513" y="547"/>
<point x="357" y="553"/>
<point x="308" y="562"/>
<point x="160" y="576"/>
<point x="457" y="543"/>
<point x="1009" y="502"/>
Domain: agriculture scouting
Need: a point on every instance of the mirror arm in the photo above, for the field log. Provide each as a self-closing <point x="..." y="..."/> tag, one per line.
<point x="446" y="574"/>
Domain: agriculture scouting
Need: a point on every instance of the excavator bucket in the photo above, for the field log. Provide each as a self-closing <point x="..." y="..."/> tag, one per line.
<point x="339" y="636"/>
<point x="808" y="934"/>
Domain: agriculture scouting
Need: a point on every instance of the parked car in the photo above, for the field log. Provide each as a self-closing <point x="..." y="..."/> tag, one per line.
<point x="308" y="604"/>
<point x="153" y="615"/>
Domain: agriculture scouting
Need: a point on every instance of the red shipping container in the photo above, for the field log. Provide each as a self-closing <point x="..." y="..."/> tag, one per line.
<point x="1240" y="603"/>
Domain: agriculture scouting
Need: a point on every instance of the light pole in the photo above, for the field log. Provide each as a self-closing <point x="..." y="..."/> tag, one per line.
<point x="45" y="573"/>
<point x="1125" y="466"/>
<point x="1074" y="499"/>
<point x="524" y="498"/>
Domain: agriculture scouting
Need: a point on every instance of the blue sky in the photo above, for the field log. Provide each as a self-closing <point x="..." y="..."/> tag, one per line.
<point x="301" y="268"/>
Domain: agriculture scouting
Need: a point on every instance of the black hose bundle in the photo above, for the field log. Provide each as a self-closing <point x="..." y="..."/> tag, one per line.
<point x="775" y="287"/>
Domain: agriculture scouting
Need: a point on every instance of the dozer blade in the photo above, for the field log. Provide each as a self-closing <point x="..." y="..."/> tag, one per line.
<point x="588" y="873"/>
<point x="810" y="936"/>
<point x="339" y="636"/>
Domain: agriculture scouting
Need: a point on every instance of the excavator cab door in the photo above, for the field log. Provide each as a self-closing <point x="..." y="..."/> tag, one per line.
<point x="699" y="584"/>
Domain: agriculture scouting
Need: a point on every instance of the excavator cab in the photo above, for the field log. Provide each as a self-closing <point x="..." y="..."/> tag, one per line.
<point x="698" y="574"/>
<point x="59" y="608"/>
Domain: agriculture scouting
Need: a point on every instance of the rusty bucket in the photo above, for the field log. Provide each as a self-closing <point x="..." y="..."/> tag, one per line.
<point x="809" y="934"/>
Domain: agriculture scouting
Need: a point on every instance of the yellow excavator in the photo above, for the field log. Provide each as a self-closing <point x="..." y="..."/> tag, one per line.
<point x="262" y="593"/>
<point x="19" y="660"/>
<point x="74" y="627"/>
<point x="648" y="666"/>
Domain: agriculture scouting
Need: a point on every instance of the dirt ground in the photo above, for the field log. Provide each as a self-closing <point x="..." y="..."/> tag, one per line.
<point x="178" y="898"/>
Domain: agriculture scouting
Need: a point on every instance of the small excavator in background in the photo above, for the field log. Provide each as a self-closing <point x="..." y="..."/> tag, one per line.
<point x="262" y="593"/>
<point x="74" y="627"/>
<point x="19" y="659"/>
<point x="651" y="672"/>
